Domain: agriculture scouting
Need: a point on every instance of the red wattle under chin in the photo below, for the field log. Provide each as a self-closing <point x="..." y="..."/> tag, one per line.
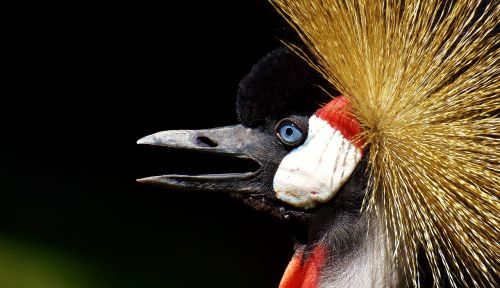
<point x="304" y="273"/>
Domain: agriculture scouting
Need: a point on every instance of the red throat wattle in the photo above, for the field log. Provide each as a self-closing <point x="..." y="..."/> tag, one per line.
<point x="304" y="273"/>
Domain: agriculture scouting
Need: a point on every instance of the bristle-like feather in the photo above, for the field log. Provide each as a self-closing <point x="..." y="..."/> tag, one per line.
<point x="423" y="81"/>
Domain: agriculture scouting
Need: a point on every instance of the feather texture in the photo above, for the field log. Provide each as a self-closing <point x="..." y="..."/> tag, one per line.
<point x="422" y="78"/>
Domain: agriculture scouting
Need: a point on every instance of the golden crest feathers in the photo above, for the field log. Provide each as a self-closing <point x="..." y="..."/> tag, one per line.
<point x="423" y="81"/>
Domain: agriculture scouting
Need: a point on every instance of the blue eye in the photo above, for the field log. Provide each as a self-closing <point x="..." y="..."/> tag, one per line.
<point x="291" y="131"/>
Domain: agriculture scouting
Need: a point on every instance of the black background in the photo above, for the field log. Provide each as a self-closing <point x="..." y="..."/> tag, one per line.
<point x="87" y="81"/>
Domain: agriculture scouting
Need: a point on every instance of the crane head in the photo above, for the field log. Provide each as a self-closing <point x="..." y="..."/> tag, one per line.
<point x="304" y="156"/>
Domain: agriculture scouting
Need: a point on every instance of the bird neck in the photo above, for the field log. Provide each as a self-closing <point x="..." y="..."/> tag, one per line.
<point x="364" y="262"/>
<point x="355" y="256"/>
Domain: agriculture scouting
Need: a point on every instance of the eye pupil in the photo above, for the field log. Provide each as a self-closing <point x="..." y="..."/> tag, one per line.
<point x="289" y="131"/>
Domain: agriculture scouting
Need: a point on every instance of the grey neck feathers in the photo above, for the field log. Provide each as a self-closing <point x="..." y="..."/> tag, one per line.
<point x="357" y="256"/>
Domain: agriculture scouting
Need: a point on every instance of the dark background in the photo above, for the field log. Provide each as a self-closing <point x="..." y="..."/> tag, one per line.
<point x="87" y="81"/>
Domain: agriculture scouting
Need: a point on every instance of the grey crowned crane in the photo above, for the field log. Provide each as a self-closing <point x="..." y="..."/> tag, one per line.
<point x="386" y="160"/>
<point x="271" y="128"/>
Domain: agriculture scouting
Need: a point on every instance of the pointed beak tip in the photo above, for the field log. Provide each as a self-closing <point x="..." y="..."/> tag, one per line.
<point x="144" y="140"/>
<point x="146" y="180"/>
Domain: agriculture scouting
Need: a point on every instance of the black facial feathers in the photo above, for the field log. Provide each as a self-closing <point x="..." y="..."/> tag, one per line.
<point x="279" y="85"/>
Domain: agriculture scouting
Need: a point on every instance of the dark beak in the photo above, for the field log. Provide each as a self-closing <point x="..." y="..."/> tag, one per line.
<point x="232" y="141"/>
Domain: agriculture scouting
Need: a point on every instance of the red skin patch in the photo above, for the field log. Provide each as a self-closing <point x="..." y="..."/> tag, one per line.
<point x="304" y="274"/>
<point x="337" y="113"/>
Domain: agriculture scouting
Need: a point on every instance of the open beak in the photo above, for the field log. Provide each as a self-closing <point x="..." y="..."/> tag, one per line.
<point x="231" y="141"/>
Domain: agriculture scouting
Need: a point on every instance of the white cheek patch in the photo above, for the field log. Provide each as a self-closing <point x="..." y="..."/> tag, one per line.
<point x="314" y="172"/>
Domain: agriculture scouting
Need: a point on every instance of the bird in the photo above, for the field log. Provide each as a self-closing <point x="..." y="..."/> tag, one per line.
<point x="386" y="166"/>
<point x="270" y="128"/>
